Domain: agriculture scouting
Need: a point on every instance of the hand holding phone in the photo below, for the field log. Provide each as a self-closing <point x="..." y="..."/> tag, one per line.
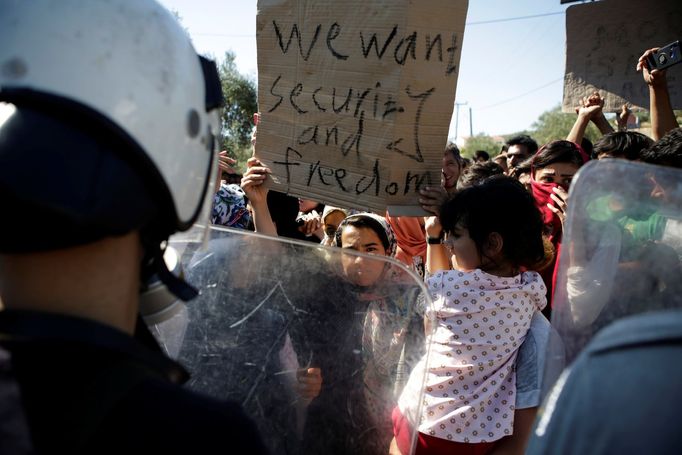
<point x="665" y="57"/>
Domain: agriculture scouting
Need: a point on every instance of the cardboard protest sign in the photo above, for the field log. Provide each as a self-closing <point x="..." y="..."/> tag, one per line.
<point x="356" y="97"/>
<point x="605" y="39"/>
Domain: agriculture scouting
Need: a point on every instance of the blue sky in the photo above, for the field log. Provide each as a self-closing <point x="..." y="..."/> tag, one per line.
<point x="510" y="71"/>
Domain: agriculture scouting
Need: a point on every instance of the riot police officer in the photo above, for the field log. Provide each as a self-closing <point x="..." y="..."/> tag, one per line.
<point x="108" y="120"/>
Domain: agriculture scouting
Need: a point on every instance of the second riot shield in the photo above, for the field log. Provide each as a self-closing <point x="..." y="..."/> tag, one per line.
<point x="620" y="254"/>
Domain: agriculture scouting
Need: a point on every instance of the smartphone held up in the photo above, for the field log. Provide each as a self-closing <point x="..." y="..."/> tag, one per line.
<point x="665" y="57"/>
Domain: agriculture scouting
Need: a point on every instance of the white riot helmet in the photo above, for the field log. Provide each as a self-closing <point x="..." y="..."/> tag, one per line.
<point x="109" y="123"/>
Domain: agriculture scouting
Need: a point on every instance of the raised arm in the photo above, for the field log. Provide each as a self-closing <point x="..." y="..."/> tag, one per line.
<point x="622" y="117"/>
<point x="436" y="254"/>
<point x="225" y="164"/>
<point x="252" y="184"/>
<point x="431" y="200"/>
<point x="591" y="108"/>
<point x="662" y="116"/>
<point x="598" y="117"/>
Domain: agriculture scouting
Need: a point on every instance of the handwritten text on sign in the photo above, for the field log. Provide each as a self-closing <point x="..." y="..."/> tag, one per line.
<point x="356" y="97"/>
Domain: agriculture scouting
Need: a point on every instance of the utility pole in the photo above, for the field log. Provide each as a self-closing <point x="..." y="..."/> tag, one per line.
<point x="457" y="105"/>
<point x="471" y="124"/>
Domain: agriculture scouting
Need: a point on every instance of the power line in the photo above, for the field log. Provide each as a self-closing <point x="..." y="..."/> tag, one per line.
<point x="522" y="94"/>
<point x="518" y="18"/>
<point x="491" y="21"/>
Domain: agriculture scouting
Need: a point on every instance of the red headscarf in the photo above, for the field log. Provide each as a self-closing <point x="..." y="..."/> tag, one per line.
<point x="542" y="194"/>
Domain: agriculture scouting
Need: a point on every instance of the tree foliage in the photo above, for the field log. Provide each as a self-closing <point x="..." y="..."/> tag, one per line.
<point x="554" y="124"/>
<point x="481" y="142"/>
<point x="237" y="114"/>
<point x="240" y="105"/>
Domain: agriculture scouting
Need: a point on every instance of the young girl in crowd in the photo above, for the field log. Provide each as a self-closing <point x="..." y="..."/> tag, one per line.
<point x="483" y="309"/>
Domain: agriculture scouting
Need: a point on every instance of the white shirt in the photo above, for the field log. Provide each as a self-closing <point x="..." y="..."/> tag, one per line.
<point x="469" y="383"/>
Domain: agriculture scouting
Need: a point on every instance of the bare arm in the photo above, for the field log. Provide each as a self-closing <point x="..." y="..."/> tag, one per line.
<point x="578" y="131"/>
<point x="602" y="124"/>
<point x="597" y="116"/>
<point x="517" y="442"/>
<point x="225" y="164"/>
<point x="622" y="117"/>
<point x="436" y="254"/>
<point x="590" y="109"/>
<point x="662" y="116"/>
<point x="252" y="184"/>
<point x="431" y="200"/>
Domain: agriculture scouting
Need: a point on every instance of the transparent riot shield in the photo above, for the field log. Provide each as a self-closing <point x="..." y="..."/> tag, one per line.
<point x="620" y="253"/>
<point x="283" y="328"/>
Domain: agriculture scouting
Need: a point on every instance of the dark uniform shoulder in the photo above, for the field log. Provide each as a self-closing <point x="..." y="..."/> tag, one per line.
<point x="635" y="331"/>
<point x="89" y="388"/>
<point x="161" y="417"/>
<point x="622" y="393"/>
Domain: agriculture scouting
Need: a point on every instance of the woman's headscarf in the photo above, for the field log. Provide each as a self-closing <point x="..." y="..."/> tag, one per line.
<point x="229" y="207"/>
<point x="410" y="236"/>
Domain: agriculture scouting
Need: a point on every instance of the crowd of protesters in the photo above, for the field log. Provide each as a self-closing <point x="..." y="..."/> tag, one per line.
<point x="362" y="362"/>
<point x="482" y="230"/>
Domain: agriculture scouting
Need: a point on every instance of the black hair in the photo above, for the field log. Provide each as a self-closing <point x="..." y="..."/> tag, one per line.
<point x="500" y="204"/>
<point x="477" y="173"/>
<point x="667" y="151"/>
<point x="360" y="221"/>
<point x="481" y="155"/>
<point x="523" y="139"/>
<point x="452" y="148"/>
<point x="556" y="152"/>
<point x="622" y="144"/>
<point x="319" y="208"/>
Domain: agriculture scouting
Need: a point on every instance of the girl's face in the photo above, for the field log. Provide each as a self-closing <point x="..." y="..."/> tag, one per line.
<point x="361" y="270"/>
<point x="465" y="255"/>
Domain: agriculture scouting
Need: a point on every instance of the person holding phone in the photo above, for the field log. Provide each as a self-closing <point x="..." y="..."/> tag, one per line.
<point x="663" y="117"/>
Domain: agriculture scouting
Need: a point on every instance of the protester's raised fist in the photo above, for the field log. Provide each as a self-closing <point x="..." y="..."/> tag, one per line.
<point x="591" y="105"/>
<point x="252" y="182"/>
<point x="622" y="117"/>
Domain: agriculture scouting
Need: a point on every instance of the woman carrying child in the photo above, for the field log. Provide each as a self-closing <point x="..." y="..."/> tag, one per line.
<point x="483" y="310"/>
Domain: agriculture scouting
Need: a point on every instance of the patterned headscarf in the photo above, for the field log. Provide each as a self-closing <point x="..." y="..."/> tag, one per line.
<point x="379" y="225"/>
<point x="229" y="207"/>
